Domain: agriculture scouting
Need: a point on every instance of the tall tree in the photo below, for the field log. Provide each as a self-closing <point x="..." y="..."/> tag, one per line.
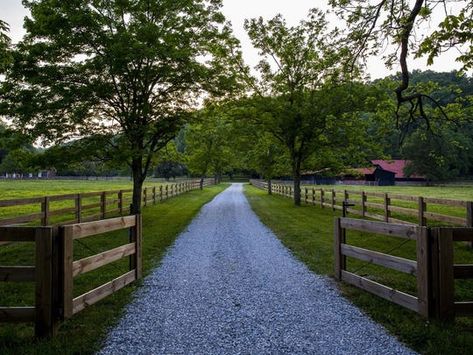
<point x="5" y="43"/>
<point x="373" y="24"/>
<point x="132" y="69"/>
<point x="300" y="98"/>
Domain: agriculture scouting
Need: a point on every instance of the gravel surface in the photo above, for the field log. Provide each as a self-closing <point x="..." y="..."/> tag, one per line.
<point x="228" y="286"/>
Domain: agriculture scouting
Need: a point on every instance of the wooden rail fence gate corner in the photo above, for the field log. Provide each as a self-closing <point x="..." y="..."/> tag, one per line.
<point x="55" y="269"/>
<point x="434" y="267"/>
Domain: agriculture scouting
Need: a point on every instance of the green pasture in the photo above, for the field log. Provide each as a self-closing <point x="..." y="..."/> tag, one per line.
<point x="308" y="232"/>
<point x="18" y="189"/>
<point x="84" y="333"/>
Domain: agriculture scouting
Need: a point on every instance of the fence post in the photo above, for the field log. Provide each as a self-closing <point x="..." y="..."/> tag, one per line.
<point x="46" y="324"/>
<point x="322" y="192"/>
<point x="363" y="203"/>
<point x="78" y="203"/>
<point x="161" y="193"/>
<point x="65" y="267"/>
<point x="154" y="195"/>
<point x="45" y="211"/>
<point x="103" y="210"/>
<point x="469" y="217"/>
<point x="445" y="284"/>
<point x="145" y="196"/>
<point x="120" y="202"/>
<point x="422" y="208"/>
<point x="424" y="293"/>
<point x="306" y="196"/>
<point x="136" y="262"/>
<point x="339" y="259"/>
<point x="387" y="213"/>
<point x="167" y="192"/>
<point x="333" y="200"/>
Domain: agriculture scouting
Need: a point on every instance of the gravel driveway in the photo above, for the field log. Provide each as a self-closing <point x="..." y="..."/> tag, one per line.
<point x="228" y="286"/>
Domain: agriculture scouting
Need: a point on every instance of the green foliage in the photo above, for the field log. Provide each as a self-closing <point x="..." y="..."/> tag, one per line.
<point x="5" y="56"/>
<point x="126" y="72"/>
<point x="18" y="161"/>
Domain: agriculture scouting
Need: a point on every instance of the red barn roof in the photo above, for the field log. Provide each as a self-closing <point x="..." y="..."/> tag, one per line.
<point x="394" y="166"/>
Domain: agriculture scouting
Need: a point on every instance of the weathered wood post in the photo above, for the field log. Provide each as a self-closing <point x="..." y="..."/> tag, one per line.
<point x="161" y="193"/>
<point x="469" y="216"/>
<point x="313" y="196"/>
<point x="46" y="322"/>
<point x="339" y="239"/>
<point x="78" y="206"/>
<point x="145" y="196"/>
<point x="322" y="198"/>
<point x="120" y="202"/>
<point x="45" y="211"/>
<point x="387" y="212"/>
<point x="421" y="209"/>
<point x="333" y="200"/>
<point x="103" y="203"/>
<point x="154" y="195"/>
<point x="363" y="203"/>
<point x="424" y="292"/>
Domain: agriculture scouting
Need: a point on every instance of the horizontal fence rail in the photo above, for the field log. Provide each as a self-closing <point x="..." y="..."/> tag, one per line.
<point x="418" y="268"/>
<point x="434" y="268"/>
<point x="55" y="269"/>
<point x="415" y="210"/>
<point x="88" y="206"/>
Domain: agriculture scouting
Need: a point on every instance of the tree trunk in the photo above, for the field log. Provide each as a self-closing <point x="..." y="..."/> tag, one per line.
<point x="138" y="179"/>
<point x="296" y="174"/>
<point x="270" y="187"/>
<point x="202" y="183"/>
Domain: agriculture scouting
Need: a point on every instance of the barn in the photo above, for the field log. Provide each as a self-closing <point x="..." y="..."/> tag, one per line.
<point x="387" y="172"/>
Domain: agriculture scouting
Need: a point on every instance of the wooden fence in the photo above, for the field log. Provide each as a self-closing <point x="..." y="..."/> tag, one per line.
<point x="381" y="206"/>
<point x="88" y="206"/>
<point x="55" y="269"/>
<point x="433" y="268"/>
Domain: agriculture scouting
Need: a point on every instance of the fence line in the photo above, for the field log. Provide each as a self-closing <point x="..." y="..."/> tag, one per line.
<point x="434" y="267"/>
<point x="90" y="206"/>
<point x="378" y="205"/>
<point x="55" y="269"/>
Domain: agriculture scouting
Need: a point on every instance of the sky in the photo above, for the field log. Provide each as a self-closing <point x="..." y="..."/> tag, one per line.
<point x="237" y="11"/>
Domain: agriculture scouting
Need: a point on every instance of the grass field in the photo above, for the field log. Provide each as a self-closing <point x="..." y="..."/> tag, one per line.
<point x="449" y="192"/>
<point x="308" y="232"/>
<point x="84" y="332"/>
<point x="10" y="189"/>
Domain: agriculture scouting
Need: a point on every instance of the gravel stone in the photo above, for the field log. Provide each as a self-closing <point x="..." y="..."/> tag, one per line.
<point x="228" y="286"/>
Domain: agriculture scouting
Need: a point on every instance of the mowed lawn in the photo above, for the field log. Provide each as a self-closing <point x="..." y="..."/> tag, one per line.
<point x="84" y="333"/>
<point x="308" y="232"/>
<point x="449" y="192"/>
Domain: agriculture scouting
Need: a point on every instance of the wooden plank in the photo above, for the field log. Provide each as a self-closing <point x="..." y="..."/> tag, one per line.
<point x="91" y="194"/>
<point x="93" y="262"/>
<point x="62" y="197"/>
<point x="374" y="194"/>
<point x="45" y="211"/>
<point x="446" y="286"/>
<point x="17" y="273"/>
<point x="339" y="260"/>
<point x="403" y="197"/>
<point x="374" y="205"/>
<point x="393" y="262"/>
<point x="138" y="239"/>
<point x="20" y="202"/>
<point x="395" y="230"/>
<point x="353" y="211"/>
<point x="421" y="208"/>
<point x="62" y="211"/>
<point x="90" y="218"/>
<point x="21" y="219"/>
<point x="443" y="218"/>
<point x="78" y="205"/>
<point x="91" y="205"/>
<point x="462" y="234"/>
<point x="387" y="202"/>
<point x="463" y="271"/>
<point x="17" y="234"/>
<point x="424" y="287"/>
<point x="388" y="293"/>
<point x="67" y="281"/>
<point x="99" y="293"/>
<point x="83" y="230"/>
<point x="463" y="308"/>
<point x="444" y="201"/>
<point x="404" y="210"/>
<point x="400" y="221"/>
<point x="44" y="324"/>
<point x="17" y="314"/>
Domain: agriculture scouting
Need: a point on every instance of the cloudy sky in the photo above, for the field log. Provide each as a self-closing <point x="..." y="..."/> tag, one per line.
<point x="237" y="11"/>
